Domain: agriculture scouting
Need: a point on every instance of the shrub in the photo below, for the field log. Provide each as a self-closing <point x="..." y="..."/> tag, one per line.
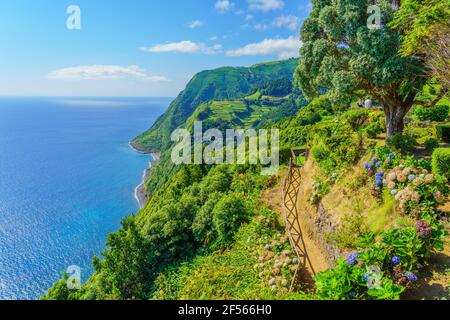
<point x="285" y="155"/>
<point x="203" y="227"/>
<point x="228" y="215"/>
<point x="437" y="113"/>
<point x="402" y="143"/>
<point x="441" y="162"/>
<point x="320" y="152"/>
<point x="357" y="118"/>
<point x="374" y="129"/>
<point x="443" y="132"/>
<point x="432" y="144"/>
<point x="308" y="116"/>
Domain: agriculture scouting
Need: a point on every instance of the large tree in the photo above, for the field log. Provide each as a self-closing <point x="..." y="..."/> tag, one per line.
<point x="343" y="54"/>
<point x="426" y="28"/>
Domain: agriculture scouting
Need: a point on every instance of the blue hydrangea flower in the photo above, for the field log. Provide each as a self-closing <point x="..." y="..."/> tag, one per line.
<point x="367" y="277"/>
<point x="411" y="276"/>
<point x="379" y="163"/>
<point x="366" y="166"/>
<point x="351" y="258"/>
<point x="380" y="173"/>
<point x="352" y="294"/>
<point x="411" y="177"/>
<point x="391" y="155"/>
<point x="396" y="260"/>
<point x="379" y="183"/>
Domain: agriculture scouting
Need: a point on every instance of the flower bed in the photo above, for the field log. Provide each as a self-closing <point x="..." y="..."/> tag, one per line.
<point x="389" y="263"/>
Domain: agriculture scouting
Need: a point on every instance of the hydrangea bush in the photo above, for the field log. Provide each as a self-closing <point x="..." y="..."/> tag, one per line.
<point x="388" y="263"/>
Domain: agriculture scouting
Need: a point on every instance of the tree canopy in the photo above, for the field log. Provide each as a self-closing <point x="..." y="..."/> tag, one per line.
<point x="341" y="53"/>
<point x="426" y="28"/>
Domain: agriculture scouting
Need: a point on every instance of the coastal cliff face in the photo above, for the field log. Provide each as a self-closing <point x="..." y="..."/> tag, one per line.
<point x="219" y="84"/>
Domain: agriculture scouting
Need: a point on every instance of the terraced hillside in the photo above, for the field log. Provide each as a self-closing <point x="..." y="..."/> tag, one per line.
<point x="220" y="84"/>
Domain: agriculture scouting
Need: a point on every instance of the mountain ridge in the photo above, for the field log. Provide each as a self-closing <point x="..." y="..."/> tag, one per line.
<point x="224" y="83"/>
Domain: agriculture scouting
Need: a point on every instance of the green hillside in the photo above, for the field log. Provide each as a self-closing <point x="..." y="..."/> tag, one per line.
<point x="249" y="112"/>
<point x="372" y="199"/>
<point x="219" y="84"/>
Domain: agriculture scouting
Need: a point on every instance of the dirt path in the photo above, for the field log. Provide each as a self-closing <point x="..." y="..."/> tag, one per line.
<point x="273" y="198"/>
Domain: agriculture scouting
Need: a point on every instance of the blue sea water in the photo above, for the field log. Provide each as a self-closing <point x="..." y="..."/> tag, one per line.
<point x="67" y="179"/>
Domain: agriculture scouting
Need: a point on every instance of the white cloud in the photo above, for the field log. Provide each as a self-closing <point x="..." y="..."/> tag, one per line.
<point x="103" y="72"/>
<point x="195" y="24"/>
<point x="182" y="47"/>
<point x="213" y="38"/>
<point x="265" y="5"/>
<point x="224" y="5"/>
<point x="284" y="48"/>
<point x="261" y="26"/>
<point x="290" y="22"/>
<point x="186" y="46"/>
<point x="249" y="17"/>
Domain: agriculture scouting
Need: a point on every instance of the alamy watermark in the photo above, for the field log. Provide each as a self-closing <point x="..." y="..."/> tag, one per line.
<point x="74" y="278"/>
<point x="374" y="21"/>
<point x="74" y="20"/>
<point x="229" y="147"/>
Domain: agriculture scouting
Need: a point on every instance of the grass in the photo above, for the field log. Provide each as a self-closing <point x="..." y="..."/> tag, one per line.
<point x="231" y="274"/>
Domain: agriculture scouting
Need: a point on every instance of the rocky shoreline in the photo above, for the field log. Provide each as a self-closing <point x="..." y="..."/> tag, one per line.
<point x="140" y="193"/>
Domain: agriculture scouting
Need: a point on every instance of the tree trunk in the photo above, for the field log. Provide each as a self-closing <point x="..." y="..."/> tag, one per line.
<point x="395" y="116"/>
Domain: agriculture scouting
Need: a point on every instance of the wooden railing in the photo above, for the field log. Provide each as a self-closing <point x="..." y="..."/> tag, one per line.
<point x="291" y="188"/>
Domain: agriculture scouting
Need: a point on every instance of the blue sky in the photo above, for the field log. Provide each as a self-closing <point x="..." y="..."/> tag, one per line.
<point x="137" y="47"/>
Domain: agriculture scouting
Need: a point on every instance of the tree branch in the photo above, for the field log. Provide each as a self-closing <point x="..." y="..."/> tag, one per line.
<point x="442" y="94"/>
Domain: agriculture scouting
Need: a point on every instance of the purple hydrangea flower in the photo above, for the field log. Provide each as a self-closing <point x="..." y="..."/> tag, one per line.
<point x="380" y="173"/>
<point x="352" y="294"/>
<point x="396" y="260"/>
<point x="379" y="183"/>
<point x="411" y="276"/>
<point x="423" y="229"/>
<point x="351" y="258"/>
<point x="379" y="163"/>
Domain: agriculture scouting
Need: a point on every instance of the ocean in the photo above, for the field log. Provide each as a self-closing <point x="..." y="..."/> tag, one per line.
<point x="67" y="179"/>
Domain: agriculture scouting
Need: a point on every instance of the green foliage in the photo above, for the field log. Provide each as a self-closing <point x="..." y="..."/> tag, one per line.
<point x="441" y="162"/>
<point x="351" y="279"/>
<point x="285" y="155"/>
<point x="228" y="215"/>
<point x="228" y="275"/>
<point x="203" y="227"/>
<point x="351" y="227"/>
<point x="432" y="144"/>
<point x="320" y="189"/>
<point x="356" y="118"/>
<point x="59" y="291"/>
<point x="417" y="18"/>
<point x="348" y="59"/>
<point x="443" y="132"/>
<point x="278" y="88"/>
<point x="437" y="113"/>
<point x="402" y="143"/>
<point x="335" y="145"/>
<point x="347" y="282"/>
<point x="220" y="84"/>
<point x="376" y="125"/>
<point x="425" y="25"/>
<point x="125" y="262"/>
